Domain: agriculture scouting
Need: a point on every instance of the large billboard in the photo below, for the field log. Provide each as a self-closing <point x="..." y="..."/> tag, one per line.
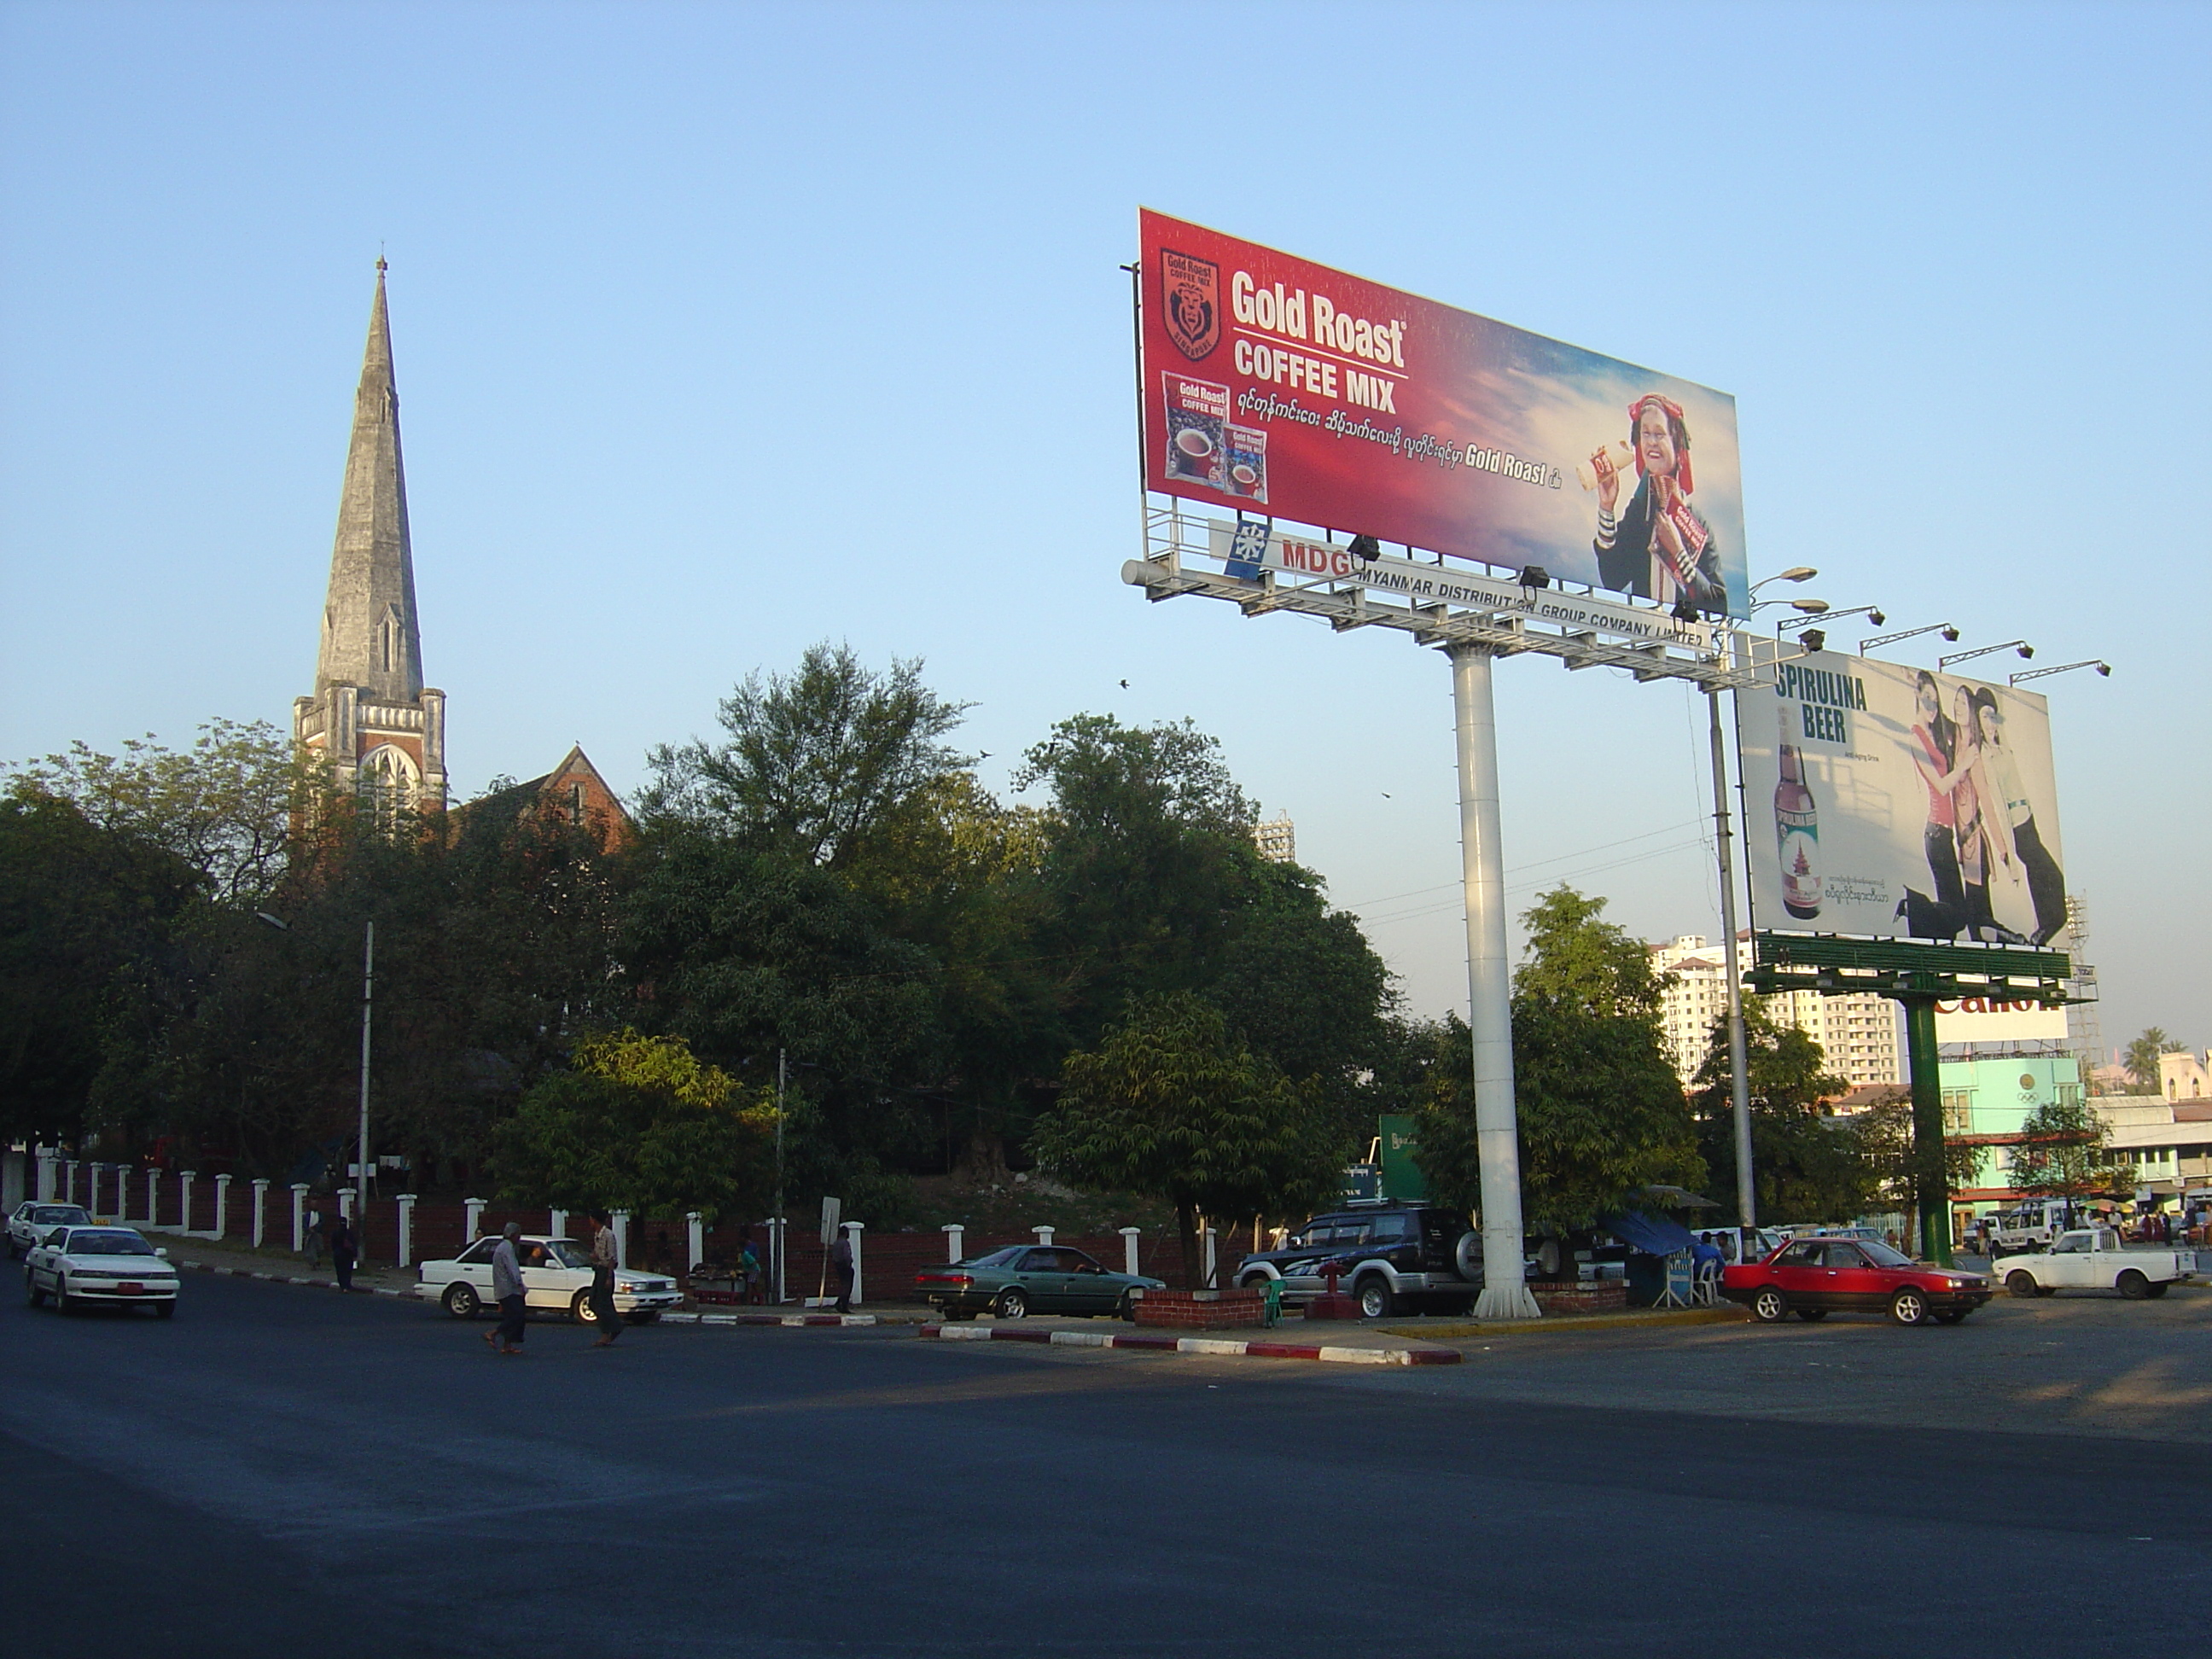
<point x="1995" y="1019"/>
<point x="1905" y="803"/>
<point x="1288" y="389"/>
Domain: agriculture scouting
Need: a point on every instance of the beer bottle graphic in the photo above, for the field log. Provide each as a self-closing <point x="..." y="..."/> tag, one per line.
<point x="1797" y="830"/>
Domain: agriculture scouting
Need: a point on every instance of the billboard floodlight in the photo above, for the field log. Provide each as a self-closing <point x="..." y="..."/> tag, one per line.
<point x="2104" y="671"/>
<point x="2021" y="646"/>
<point x="1535" y="575"/>
<point x="1950" y="636"/>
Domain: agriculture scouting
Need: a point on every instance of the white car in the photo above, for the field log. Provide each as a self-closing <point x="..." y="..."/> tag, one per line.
<point x="557" y="1277"/>
<point x="32" y="1221"/>
<point x="2095" y="1259"/>
<point x="110" y="1267"/>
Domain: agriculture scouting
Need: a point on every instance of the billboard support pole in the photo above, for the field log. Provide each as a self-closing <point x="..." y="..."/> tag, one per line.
<point x="1505" y="1282"/>
<point x="1931" y="1185"/>
<point x="1747" y="1191"/>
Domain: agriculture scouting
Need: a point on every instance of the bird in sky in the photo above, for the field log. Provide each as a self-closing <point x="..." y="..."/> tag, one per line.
<point x="1125" y="685"/>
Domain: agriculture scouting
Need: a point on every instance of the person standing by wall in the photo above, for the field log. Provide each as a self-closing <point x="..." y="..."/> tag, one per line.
<point x="840" y="1263"/>
<point x="342" y="1251"/>
<point x="506" y="1290"/>
<point x="314" y="1240"/>
<point x="603" y="1279"/>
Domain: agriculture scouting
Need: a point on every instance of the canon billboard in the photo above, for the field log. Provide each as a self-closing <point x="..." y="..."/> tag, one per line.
<point x="1906" y="803"/>
<point x="1289" y="390"/>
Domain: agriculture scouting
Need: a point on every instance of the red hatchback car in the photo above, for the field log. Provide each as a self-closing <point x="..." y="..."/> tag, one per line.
<point x="1814" y="1277"/>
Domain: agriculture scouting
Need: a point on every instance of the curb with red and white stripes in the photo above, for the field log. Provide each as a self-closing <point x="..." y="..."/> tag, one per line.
<point x="290" y="1279"/>
<point x="1215" y="1346"/>
<point x="769" y="1319"/>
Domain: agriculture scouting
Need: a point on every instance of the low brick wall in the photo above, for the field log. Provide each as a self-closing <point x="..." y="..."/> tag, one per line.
<point x="1602" y="1296"/>
<point x="1202" y="1311"/>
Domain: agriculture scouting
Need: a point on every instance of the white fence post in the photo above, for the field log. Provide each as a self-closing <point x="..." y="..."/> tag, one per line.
<point x="621" y="1220"/>
<point x="559" y="1220"/>
<point x="1129" y="1250"/>
<point x="852" y="1231"/>
<point x="474" y="1206"/>
<point x="152" y="1198"/>
<point x="1043" y="1234"/>
<point x="69" y="1181"/>
<point x="260" y="1212"/>
<point x="695" y="1227"/>
<point x="299" y="1217"/>
<point x="345" y="1204"/>
<point x="953" y="1233"/>
<point x="1211" y="1276"/>
<point x="45" y="1193"/>
<point x="185" y="1179"/>
<point x="406" y="1229"/>
<point x="222" y="1204"/>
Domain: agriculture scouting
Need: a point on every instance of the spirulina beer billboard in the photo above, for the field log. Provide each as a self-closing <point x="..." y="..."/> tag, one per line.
<point x="1292" y="390"/>
<point x="1903" y="803"/>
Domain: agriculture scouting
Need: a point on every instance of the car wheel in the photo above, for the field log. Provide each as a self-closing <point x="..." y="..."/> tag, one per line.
<point x="1376" y="1301"/>
<point x="164" y="1310"/>
<point x="1812" y="1315"/>
<point x="1768" y="1303"/>
<point x="38" y="1297"/>
<point x="2156" y="1291"/>
<point x="2132" y="1285"/>
<point x="462" y="1301"/>
<point x="2023" y="1284"/>
<point x="1126" y="1309"/>
<point x="580" y="1308"/>
<point x="1909" y="1306"/>
<point x="1011" y="1303"/>
<point x="62" y="1303"/>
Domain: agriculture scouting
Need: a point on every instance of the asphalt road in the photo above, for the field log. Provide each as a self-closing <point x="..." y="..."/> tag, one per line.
<point x="285" y="1472"/>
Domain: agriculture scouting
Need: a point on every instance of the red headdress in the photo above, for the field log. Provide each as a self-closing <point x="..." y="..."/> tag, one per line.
<point x="1681" y="446"/>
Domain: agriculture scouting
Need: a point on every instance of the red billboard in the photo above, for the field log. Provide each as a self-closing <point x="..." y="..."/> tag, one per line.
<point x="1289" y="390"/>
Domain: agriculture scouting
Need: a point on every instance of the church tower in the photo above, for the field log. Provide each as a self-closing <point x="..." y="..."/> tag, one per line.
<point x="383" y="730"/>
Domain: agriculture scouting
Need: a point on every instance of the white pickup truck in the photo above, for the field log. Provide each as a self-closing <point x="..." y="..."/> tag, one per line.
<point x="2094" y="1259"/>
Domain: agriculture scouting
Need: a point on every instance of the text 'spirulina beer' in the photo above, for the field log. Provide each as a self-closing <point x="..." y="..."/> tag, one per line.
<point x="1797" y="831"/>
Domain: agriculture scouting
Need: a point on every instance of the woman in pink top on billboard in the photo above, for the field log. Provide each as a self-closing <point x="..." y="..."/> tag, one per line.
<point x="1660" y="548"/>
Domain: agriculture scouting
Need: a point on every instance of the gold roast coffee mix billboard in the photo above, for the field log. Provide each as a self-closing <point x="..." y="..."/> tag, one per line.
<point x="1902" y="802"/>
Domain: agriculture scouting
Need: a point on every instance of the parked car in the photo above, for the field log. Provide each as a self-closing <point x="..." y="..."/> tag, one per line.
<point x="1390" y="1258"/>
<point x="557" y="1277"/>
<point x="2032" y="1226"/>
<point x="2096" y="1259"/>
<point x="1812" y="1278"/>
<point x="100" y="1266"/>
<point x="32" y="1221"/>
<point x="1026" y="1278"/>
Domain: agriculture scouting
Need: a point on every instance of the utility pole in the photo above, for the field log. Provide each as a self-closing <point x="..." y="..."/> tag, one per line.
<point x="360" y="1169"/>
<point x="1747" y="1190"/>
<point x="782" y="1072"/>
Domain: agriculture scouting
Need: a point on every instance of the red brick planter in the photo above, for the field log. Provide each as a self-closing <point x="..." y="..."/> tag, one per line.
<point x="1601" y="1296"/>
<point x="1201" y="1310"/>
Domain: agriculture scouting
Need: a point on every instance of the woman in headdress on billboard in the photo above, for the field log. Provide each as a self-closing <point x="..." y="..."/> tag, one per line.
<point x="2008" y="798"/>
<point x="1934" y="745"/>
<point x="1660" y="548"/>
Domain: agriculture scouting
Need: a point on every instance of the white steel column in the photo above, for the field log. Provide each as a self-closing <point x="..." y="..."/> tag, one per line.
<point x="474" y="1224"/>
<point x="406" y="1202"/>
<point x="299" y="1217"/>
<point x="852" y="1231"/>
<point x="952" y="1231"/>
<point x="695" y="1238"/>
<point x="260" y="1212"/>
<point x="1129" y="1250"/>
<point x="1504" y="1283"/>
<point x="1747" y="1190"/>
<point x="222" y="1205"/>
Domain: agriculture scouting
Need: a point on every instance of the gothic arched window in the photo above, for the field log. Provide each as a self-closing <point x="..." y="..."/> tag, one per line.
<point x="391" y="785"/>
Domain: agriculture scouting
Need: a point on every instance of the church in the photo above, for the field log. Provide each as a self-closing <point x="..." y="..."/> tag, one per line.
<point x="381" y="729"/>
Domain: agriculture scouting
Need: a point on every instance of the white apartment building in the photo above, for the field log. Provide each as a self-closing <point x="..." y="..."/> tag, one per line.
<point x="1859" y="1034"/>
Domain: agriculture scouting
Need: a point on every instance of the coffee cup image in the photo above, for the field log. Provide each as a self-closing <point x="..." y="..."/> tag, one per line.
<point x="1244" y="476"/>
<point x="1196" y="446"/>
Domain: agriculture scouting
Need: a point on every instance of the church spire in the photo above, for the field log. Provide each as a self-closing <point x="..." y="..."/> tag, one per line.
<point x="370" y="636"/>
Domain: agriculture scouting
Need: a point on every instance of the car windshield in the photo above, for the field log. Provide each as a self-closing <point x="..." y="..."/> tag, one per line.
<point x="570" y="1253"/>
<point x="1882" y="1257"/>
<point x="58" y="1215"/>
<point x="108" y="1243"/>
<point x="996" y="1259"/>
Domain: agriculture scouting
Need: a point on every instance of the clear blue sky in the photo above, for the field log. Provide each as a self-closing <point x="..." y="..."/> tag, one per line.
<point x="722" y="329"/>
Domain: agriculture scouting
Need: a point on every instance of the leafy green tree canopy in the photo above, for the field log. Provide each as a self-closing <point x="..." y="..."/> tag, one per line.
<point x="2064" y="1154"/>
<point x="1170" y="1105"/>
<point x="638" y="1124"/>
<point x="1807" y="1167"/>
<point x="2141" y="1056"/>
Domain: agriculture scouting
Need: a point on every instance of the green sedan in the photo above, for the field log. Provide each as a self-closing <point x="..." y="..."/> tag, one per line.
<point x="1026" y="1278"/>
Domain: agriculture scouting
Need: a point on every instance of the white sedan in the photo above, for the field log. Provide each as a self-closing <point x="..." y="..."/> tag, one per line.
<point x="557" y="1277"/>
<point x="110" y="1267"/>
<point x="32" y="1221"/>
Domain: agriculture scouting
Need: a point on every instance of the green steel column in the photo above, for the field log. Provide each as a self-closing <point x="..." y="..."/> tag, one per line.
<point x="1931" y="1189"/>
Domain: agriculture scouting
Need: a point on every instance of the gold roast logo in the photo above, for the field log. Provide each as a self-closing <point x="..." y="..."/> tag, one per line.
<point x="1192" y="290"/>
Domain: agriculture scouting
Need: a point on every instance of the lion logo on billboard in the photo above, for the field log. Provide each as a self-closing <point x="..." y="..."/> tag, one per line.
<point x="1192" y="289"/>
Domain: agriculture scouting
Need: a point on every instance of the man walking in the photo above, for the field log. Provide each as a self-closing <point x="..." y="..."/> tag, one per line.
<point x="840" y="1263"/>
<point x="506" y="1289"/>
<point x="342" y="1252"/>
<point x="602" y="1280"/>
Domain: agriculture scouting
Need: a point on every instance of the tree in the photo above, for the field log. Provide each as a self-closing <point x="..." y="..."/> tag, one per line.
<point x="2063" y="1154"/>
<point x="638" y="1124"/>
<point x="2141" y="1056"/>
<point x="1600" y="1111"/>
<point x="226" y="806"/>
<point x="813" y="760"/>
<point x="1172" y="1105"/>
<point x="1807" y="1166"/>
<point x="1887" y="1143"/>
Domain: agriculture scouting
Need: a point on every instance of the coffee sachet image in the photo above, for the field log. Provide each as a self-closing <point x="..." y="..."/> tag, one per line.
<point x="1248" y="463"/>
<point x="1197" y="433"/>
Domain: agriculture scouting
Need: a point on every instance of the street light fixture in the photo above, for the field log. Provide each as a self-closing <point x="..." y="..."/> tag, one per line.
<point x="2021" y="646"/>
<point x="2104" y="671"/>
<point x="1949" y="633"/>
<point x="1796" y="573"/>
<point x="367" y="1002"/>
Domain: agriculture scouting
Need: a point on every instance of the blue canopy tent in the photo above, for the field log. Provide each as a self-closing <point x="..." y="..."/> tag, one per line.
<point x="1656" y="1238"/>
